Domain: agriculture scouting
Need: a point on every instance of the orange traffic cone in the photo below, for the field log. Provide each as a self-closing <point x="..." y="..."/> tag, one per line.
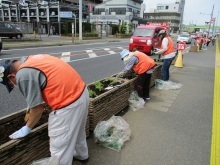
<point x="179" y="60"/>
<point x="197" y="47"/>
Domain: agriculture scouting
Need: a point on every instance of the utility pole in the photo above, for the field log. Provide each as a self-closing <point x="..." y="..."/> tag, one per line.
<point x="80" y="20"/>
<point x="211" y="19"/>
<point x="216" y="24"/>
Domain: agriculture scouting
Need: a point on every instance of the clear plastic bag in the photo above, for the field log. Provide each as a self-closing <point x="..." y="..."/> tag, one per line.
<point x="167" y="85"/>
<point x="135" y="102"/>
<point x="112" y="133"/>
<point x="46" y="161"/>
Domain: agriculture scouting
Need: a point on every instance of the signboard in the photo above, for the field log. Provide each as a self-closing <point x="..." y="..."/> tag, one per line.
<point x="66" y="14"/>
<point x="181" y="45"/>
<point x="166" y="25"/>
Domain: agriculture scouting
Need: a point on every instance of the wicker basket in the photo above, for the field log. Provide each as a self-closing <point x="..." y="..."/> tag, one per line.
<point x="108" y="104"/>
<point x="23" y="151"/>
<point x="155" y="75"/>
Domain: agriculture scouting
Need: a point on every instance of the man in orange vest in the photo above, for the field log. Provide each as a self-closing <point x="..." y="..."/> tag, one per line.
<point x="168" y="53"/>
<point x="44" y="78"/>
<point x="141" y="64"/>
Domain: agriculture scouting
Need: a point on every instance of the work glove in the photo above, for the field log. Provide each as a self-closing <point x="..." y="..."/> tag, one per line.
<point x="24" y="131"/>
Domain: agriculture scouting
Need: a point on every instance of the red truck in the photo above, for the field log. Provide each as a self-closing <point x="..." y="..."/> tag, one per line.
<point x="145" y="39"/>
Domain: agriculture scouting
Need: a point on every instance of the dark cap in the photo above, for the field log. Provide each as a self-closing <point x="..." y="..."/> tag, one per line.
<point x="4" y="72"/>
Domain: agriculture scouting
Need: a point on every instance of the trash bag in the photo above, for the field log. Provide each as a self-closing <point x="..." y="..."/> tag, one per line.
<point x="47" y="161"/>
<point x="112" y="133"/>
<point x="135" y="102"/>
<point x="167" y="85"/>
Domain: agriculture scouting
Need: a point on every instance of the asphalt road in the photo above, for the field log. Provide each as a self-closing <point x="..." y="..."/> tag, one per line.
<point x="106" y="62"/>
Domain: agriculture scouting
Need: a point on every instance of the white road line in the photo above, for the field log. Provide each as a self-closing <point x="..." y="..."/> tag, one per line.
<point x="91" y="54"/>
<point x="111" y="52"/>
<point x="89" y="51"/>
<point x="120" y="48"/>
<point x="65" y="56"/>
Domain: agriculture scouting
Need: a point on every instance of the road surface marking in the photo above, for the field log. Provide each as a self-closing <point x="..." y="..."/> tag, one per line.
<point x="91" y="53"/>
<point x="215" y="145"/>
<point x="65" y="56"/>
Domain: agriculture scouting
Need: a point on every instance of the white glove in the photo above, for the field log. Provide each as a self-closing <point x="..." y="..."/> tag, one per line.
<point x="25" y="130"/>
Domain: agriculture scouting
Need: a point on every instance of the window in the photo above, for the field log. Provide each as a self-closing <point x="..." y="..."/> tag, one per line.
<point x="143" y="32"/>
<point x="160" y="7"/>
<point x="98" y="11"/>
<point x="167" y="7"/>
<point x="118" y="10"/>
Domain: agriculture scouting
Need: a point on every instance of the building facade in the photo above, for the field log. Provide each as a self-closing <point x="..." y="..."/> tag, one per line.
<point x="47" y="16"/>
<point x="115" y="12"/>
<point x="168" y="12"/>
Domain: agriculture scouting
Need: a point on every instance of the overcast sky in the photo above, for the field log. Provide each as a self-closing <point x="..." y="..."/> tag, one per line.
<point x="192" y="10"/>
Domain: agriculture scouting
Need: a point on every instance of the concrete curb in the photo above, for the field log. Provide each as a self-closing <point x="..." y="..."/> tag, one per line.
<point x="60" y="42"/>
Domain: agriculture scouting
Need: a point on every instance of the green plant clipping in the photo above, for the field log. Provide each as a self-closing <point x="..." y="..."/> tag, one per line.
<point x="113" y="82"/>
<point x="99" y="86"/>
<point x="92" y="93"/>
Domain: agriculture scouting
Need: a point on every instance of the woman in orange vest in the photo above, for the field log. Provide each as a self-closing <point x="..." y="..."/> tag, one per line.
<point x="168" y="53"/>
<point x="141" y="64"/>
<point x="44" y="78"/>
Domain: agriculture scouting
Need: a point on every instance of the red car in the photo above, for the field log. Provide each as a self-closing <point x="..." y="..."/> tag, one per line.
<point x="145" y="39"/>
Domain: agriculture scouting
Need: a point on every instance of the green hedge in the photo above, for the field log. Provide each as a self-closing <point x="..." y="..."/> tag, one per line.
<point x="119" y="35"/>
<point x="84" y="35"/>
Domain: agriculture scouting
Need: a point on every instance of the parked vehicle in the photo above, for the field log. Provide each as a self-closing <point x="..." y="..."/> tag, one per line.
<point x="0" y="44"/>
<point x="7" y="29"/>
<point x="184" y="38"/>
<point x="145" y="39"/>
<point x="193" y="35"/>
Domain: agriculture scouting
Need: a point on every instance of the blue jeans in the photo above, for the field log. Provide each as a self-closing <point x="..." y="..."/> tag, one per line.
<point x="165" y="68"/>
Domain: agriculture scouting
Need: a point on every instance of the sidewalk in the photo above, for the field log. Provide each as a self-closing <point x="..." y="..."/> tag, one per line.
<point x="174" y="128"/>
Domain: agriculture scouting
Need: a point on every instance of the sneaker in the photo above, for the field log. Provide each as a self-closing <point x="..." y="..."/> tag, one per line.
<point x="79" y="160"/>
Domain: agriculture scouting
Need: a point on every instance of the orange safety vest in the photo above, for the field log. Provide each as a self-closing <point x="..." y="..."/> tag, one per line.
<point x="170" y="48"/>
<point x="144" y="63"/>
<point x="63" y="84"/>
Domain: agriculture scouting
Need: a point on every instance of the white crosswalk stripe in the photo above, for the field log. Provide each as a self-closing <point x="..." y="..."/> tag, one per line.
<point x="65" y="56"/>
<point x="109" y="51"/>
<point x="91" y="53"/>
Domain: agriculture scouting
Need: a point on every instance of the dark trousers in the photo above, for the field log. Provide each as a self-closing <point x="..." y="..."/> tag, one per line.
<point x="165" y="69"/>
<point x="142" y="85"/>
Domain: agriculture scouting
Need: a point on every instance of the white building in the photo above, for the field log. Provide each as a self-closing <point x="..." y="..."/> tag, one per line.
<point x="164" y="8"/>
<point x="116" y="12"/>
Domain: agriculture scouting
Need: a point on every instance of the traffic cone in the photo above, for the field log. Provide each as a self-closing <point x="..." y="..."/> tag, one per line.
<point x="179" y="60"/>
<point x="197" y="47"/>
